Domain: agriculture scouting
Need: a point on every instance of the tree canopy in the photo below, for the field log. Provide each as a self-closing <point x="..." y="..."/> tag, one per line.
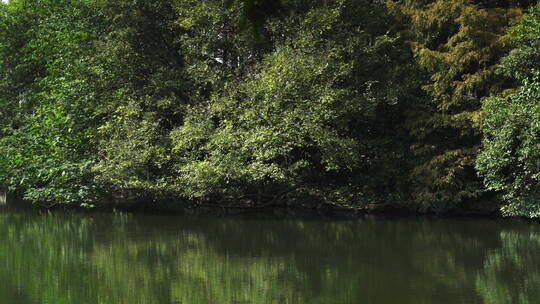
<point x="429" y="104"/>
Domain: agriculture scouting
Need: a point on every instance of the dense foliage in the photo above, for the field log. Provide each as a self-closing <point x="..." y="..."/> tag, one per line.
<point x="262" y="102"/>
<point x="458" y="43"/>
<point x="48" y="125"/>
<point x="510" y="161"/>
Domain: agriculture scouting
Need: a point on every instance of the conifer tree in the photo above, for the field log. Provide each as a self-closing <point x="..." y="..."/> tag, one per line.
<point x="458" y="44"/>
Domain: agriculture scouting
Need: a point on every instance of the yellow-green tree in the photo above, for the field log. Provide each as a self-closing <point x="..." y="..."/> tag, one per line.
<point x="458" y="44"/>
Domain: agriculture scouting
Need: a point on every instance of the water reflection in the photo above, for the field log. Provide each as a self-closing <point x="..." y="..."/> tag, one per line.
<point x="511" y="274"/>
<point x="55" y="259"/>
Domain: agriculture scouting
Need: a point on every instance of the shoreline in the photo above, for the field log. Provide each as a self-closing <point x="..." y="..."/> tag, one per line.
<point x="175" y="207"/>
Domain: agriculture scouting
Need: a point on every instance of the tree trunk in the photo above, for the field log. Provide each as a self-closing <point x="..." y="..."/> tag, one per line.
<point x="3" y="197"/>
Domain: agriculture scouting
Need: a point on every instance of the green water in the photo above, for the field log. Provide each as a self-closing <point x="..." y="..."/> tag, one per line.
<point x="56" y="259"/>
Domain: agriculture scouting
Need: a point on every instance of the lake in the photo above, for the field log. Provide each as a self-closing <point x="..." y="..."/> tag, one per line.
<point x="122" y="258"/>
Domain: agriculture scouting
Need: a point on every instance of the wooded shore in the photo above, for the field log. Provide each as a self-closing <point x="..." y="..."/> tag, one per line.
<point x="430" y="106"/>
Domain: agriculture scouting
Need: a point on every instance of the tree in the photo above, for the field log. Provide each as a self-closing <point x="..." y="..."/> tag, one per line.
<point x="317" y="115"/>
<point x="142" y="94"/>
<point x="47" y="142"/>
<point x="510" y="158"/>
<point x="458" y="44"/>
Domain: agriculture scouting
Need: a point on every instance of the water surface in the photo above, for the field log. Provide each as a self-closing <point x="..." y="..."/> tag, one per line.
<point x="118" y="258"/>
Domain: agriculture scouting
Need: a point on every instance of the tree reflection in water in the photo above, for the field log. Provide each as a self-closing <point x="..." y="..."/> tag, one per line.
<point x="143" y="259"/>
